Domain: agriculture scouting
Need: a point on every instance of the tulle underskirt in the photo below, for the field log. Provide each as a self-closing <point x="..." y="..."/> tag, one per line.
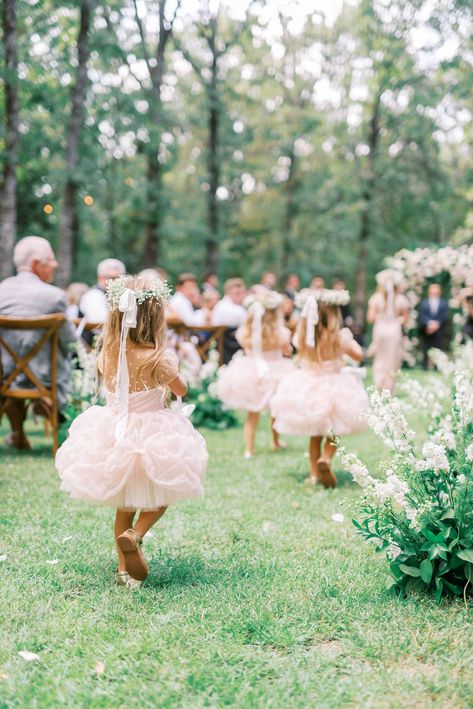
<point x="161" y="460"/>
<point x="311" y="404"/>
<point x="246" y="385"/>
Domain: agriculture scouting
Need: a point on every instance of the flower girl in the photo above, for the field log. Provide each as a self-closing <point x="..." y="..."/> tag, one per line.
<point x="134" y="453"/>
<point x="251" y="378"/>
<point x="321" y="398"/>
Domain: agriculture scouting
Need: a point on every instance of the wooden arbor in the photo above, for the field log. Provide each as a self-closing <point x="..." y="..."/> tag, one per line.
<point x="39" y="392"/>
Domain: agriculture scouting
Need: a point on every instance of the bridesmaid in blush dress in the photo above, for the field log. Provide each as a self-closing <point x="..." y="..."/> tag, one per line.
<point x="388" y="311"/>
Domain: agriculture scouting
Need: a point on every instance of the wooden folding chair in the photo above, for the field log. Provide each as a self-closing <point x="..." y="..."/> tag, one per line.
<point x="39" y="391"/>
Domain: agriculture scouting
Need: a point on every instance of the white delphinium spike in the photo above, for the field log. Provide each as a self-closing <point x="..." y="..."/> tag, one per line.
<point x="388" y="422"/>
<point x="356" y="468"/>
<point x="464" y="396"/>
<point x="434" y="458"/>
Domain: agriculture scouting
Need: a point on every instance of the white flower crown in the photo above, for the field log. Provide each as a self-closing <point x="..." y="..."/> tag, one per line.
<point x="324" y="295"/>
<point x="389" y="276"/>
<point x="157" y="290"/>
<point x="270" y="300"/>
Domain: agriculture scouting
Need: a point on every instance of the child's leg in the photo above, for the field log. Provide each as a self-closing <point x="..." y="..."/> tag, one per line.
<point x="123" y="521"/>
<point x="146" y="520"/>
<point x="315" y="444"/>
<point x="330" y="448"/>
<point x="277" y="443"/>
<point x="249" y="432"/>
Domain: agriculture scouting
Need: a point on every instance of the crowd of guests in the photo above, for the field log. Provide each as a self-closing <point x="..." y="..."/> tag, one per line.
<point x="31" y="293"/>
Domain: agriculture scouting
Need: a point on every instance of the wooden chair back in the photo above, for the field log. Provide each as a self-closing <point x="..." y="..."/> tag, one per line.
<point x="50" y="324"/>
<point x="203" y="343"/>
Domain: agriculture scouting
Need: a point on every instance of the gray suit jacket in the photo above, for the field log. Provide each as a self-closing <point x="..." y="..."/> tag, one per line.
<point x="26" y="295"/>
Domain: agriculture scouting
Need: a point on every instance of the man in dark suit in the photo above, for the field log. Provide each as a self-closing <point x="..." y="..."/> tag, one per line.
<point x="433" y="320"/>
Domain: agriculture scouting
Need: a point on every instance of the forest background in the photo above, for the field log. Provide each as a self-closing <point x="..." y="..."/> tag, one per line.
<point x="236" y="136"/>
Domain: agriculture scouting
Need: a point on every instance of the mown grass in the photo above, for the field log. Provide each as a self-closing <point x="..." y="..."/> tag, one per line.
<point x="256" y="598"/>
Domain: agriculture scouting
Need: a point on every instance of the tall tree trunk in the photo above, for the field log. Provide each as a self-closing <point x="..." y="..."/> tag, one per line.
<point x="213" y="163"/>
<point x="288" y="213"/>
<point x="68" y="224"/>
<point x="365" y="223"/>
<point x="12" y="111"/>
<point x="155" y="197"/>
<point x="153" y="226"/>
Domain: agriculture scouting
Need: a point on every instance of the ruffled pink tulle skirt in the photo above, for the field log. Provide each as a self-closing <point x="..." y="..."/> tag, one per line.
<point x="161" y="460"/>
<point x="248" y="383"/>
<point x="316" y="403"/>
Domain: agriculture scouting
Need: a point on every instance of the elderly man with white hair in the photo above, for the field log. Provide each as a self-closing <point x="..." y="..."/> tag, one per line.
<point x="93" y="304"/>
<point x="30" y="294"/>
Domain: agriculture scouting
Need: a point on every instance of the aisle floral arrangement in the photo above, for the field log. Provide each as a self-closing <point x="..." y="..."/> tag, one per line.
<point x="209" y="411"/>
<point x="84" y="391"/>
<point x="418" y="511"/>
<point x="451" y="266"/>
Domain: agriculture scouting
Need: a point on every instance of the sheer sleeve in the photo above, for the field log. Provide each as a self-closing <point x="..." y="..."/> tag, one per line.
<point x="168" y="367"/>
<point x="346" y="339"/>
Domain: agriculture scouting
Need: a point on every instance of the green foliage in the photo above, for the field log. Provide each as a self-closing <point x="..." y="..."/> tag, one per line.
<point x="294" y="115"/>
<point x="209" y="411"/>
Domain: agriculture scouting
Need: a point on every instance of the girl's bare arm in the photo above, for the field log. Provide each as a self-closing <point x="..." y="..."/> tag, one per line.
<point x="178" y="386"/>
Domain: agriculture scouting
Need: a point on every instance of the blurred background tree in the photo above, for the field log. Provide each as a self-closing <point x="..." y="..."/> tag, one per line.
<point x="310" y="137"/>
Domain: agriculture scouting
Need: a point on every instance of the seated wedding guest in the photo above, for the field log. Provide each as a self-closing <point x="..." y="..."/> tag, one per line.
<point x="293" y="284"/>
<point x="29" y="294"/>
<point x="74" y="293"/>
<point x="93" y="304"/>
<point x="210" y="299"/>
<point x="210" y="283"/>
<point x="185" y="301"/>
<point x="269" y="280"/>
<point x="433" y="317"/>
<point x="150" y="273"/>
<point x="339" y="284"/>
<point x="317" y="283"/>
<point x="230" y="312"/>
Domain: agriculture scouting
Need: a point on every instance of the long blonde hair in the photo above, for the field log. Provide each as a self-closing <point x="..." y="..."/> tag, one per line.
<point x="150" y="330"/>
<point x="326" y="334"/>
<point x="270" y="329"/>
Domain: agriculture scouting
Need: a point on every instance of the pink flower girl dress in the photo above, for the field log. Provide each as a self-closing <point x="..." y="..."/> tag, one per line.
<point x="135" y="452"/>
<point x="249" y="381"/>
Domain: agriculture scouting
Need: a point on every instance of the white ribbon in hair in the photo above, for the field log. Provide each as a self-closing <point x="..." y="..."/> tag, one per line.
<point x="128" y="306"/>
<point x="310" y="311"/>
<point x="257" y="310"/>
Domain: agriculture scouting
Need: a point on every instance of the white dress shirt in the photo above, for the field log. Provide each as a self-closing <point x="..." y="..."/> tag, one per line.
<point x="93" y="305"/>
<point x="228" y="313"/>
<point x="184" y="309"/>
<point x="434" y="305"/>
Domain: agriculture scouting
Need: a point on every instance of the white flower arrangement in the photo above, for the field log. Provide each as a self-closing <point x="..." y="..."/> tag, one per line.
<point x="158" y="290"/>
<point x="270" y="300"/>
<point x="418" y="508"/>
<point x="417" y="267"/>
<point x="324" y="295"/>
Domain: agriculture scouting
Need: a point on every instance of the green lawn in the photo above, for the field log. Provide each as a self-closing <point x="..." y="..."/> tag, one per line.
<point x="256" y="598"/>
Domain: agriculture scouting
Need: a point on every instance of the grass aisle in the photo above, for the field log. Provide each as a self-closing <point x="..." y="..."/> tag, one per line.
<point x="256" y="598"/>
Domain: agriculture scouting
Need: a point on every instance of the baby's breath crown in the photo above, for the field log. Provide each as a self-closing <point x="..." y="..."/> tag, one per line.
<point x="270" y="300"/>
<point x="156" y="289"/>
<point x="324" y="295"/>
